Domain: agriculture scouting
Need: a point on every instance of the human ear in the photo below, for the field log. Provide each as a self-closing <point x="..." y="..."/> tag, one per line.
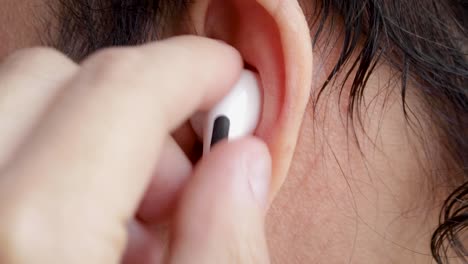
<point x="274" y="40"/>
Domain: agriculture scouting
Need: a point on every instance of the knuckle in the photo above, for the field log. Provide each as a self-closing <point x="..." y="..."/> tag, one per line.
<point x="36" y="56"/>
<point x="39" y="62"/>
<point x="111" y="64"/>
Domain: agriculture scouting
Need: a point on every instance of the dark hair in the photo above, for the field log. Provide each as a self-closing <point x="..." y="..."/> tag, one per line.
<point x="425" y="40"/>
<point x="84" y="26"/>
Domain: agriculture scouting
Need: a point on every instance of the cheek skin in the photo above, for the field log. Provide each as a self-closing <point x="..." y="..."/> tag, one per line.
<point x="366" y="202"/>
<point x="19" y="24"/>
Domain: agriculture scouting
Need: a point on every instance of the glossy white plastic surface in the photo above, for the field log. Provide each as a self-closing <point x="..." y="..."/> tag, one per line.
<point x="242" y="106"/>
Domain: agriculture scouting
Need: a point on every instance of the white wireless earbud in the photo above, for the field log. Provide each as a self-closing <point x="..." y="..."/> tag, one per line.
<point x="236" y="115"/>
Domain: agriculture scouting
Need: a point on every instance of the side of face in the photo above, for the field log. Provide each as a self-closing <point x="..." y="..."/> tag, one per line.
<point x="19" y="27"/>
<point x="342" y="190"/>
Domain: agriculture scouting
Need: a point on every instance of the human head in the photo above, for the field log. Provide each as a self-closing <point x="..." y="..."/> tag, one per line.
<point x="386" y="116"/>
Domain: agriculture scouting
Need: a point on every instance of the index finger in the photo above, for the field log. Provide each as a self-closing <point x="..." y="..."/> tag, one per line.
<point x="100" y="141"/>
<point x="182" y="73"/>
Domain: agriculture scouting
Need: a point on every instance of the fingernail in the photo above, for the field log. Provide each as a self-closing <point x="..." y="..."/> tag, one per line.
<point x="260" y="175"/>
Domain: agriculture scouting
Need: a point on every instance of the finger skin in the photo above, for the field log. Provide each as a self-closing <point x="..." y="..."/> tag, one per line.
<point x="145" y="245"/>
<point x="171" y="174"/>
<point x="30" y="79"/>
<point x="87" y="165"/>
<point x="219" y="219"/>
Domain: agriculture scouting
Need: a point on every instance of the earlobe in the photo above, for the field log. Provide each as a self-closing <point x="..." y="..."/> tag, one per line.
<point x="273" y="38"/>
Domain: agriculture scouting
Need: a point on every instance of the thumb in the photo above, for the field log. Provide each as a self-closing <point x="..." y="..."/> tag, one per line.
<point x="220" y="217"/>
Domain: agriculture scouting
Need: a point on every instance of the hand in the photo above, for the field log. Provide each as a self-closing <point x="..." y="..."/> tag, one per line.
<point x="85" y="148"/>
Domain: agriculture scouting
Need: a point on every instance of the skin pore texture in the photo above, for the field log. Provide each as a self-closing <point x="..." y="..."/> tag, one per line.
<point x="343" y="193"/>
